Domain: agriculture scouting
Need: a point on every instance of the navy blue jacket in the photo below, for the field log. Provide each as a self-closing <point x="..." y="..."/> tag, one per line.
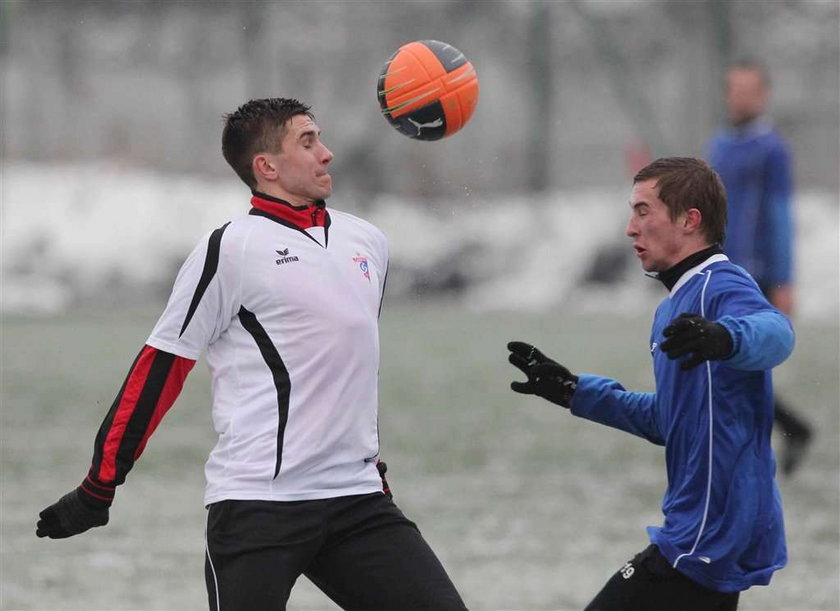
<point x="723" y="523"/>
<point x="755" y="167"/>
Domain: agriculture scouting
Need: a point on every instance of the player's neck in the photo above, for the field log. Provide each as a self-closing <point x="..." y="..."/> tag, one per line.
<point x="270" y="191"/>
<point x="745" y="122"/>
<point x="302" y="217"/>
<point x="285" y="201"/>
<point x="671" y="276"/>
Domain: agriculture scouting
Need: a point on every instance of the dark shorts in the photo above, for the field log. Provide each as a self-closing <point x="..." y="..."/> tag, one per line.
<point x="361" y="551"/>
<point x="649" y="583"/>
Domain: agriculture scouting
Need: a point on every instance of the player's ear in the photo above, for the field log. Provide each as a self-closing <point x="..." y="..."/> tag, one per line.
<point x="692" y="219"/>
<point x="264" y="167"/>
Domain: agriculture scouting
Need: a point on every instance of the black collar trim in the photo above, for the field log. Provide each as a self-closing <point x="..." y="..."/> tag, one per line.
<point x="320" y="203"/>
<point x="671" y="275"/>
<point x="291" y="224"/>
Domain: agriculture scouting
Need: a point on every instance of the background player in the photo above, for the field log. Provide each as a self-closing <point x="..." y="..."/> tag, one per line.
<point x="285" y="300"/>
<point x="753" y="161"/>
<point x="714" y="341"/>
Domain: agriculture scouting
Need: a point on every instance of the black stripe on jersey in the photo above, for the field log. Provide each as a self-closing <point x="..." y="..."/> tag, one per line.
<point x="327" y="223"/>
<point x="138" y="424"/>
<point x="108" y="422"/>
<point x="290" y="225"/>
<point x="211" y="264"/>
<point x="278" y="372"/>
<point x="384" y="284"/>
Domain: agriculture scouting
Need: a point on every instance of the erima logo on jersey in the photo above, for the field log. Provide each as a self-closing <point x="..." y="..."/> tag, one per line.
<point x="653" y="347"/>
<point x="285" y="257"/>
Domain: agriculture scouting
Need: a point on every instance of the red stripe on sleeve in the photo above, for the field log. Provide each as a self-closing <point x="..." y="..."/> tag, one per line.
<point x="97" y="491"/>
<point x="181" y="368"/>
<point x="133" y="388"/>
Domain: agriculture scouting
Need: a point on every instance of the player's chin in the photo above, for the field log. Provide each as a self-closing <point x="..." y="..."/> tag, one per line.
<point x="319" y="193"/>
<point x="648" y="265"/>
<point x="325" y="188"/>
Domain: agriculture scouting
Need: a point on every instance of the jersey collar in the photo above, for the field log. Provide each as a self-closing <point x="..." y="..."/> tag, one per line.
<point x="300" y="217"/>
<point x="676" y="276"/>
<point x="752" y="129"/>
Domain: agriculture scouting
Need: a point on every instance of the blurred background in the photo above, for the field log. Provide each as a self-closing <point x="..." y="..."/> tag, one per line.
<point x="112" y="171"/>
<point x="112" y="111"/>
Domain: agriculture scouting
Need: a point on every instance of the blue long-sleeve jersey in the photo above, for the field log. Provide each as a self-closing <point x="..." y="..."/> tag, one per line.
<point x="723" y="524"/>
<point x="755" y="167"/>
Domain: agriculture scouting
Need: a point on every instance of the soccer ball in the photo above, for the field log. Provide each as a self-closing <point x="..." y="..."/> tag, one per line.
<point x="427" y="90"/>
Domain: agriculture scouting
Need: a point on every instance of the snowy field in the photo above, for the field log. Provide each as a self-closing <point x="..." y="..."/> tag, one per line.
<point x="528" y="507"/>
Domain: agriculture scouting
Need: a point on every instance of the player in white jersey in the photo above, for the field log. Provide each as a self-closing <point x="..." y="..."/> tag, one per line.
<point x="285" y="301"/>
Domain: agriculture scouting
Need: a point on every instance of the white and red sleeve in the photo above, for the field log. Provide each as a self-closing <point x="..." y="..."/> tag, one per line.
<point x="194" y="316"/>
<point x="151" y="387"/>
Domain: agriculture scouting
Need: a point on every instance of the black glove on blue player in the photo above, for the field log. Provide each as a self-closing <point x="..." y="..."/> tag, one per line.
<point x="546" y="378"/>
<point x="691" y="334"/>
<point x="72" y="514"/>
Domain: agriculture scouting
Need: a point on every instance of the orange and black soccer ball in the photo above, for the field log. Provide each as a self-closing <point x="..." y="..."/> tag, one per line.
<point x="427" y="90"/>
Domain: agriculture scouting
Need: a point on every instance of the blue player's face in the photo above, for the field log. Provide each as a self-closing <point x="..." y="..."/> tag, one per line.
<point x="660" y="242"/>
<point x="746" y="94"/>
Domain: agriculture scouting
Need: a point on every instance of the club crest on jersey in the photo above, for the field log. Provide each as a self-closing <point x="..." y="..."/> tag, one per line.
<point x="285" y="257"/>
<point x="363" y="265"/>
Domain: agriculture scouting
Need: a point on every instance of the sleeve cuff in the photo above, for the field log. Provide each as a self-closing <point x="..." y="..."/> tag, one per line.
<point x="96" y="494"/>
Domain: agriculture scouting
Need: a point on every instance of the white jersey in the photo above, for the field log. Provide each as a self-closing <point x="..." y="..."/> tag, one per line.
<point x="289" y="319"/>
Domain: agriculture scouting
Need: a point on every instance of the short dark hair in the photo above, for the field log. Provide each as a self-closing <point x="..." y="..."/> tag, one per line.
<point x="257" y="126"/>
<point x="684" y="183"/>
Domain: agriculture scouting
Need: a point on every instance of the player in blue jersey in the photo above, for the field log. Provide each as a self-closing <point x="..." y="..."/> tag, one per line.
<point x="753" y="161"/>
<point x="714" y="341"/>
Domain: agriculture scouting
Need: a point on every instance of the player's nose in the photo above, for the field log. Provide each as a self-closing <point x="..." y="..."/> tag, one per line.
<point x="326" y="155"/>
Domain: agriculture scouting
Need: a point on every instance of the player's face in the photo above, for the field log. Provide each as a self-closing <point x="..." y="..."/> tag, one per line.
<point x="659" y="242"/>
<point x="302" y="162"/>
<point x="746" y="94"/>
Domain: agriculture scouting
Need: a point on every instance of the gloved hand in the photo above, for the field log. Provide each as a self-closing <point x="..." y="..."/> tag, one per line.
<point x="383" y="468"/>
<point x="546" y="378"/>
<point x="72" y="514"/>
<point x="691" y="333"/>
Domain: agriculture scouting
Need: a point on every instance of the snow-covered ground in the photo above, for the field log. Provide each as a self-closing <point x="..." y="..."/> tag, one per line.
<point x="73" y="232"/>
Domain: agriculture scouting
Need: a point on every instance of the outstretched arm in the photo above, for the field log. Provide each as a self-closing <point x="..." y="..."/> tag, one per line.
<point x="153" y="383"/>
<point x="592" y="397"/>
<point x="749" y="335"/>
<point x="203" y="302"/>
<point x="606" y="401"/>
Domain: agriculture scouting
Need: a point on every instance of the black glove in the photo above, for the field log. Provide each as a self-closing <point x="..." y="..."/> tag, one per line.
<point x="72" y="514"/>
<point x="383" y="468"/>
<point x="690" y="333"/>
<point x="546" y="378"/>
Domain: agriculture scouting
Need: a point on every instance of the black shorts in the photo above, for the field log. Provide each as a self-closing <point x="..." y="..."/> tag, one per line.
<point x="361" y="551"/>
<point x="649" y="583"/>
